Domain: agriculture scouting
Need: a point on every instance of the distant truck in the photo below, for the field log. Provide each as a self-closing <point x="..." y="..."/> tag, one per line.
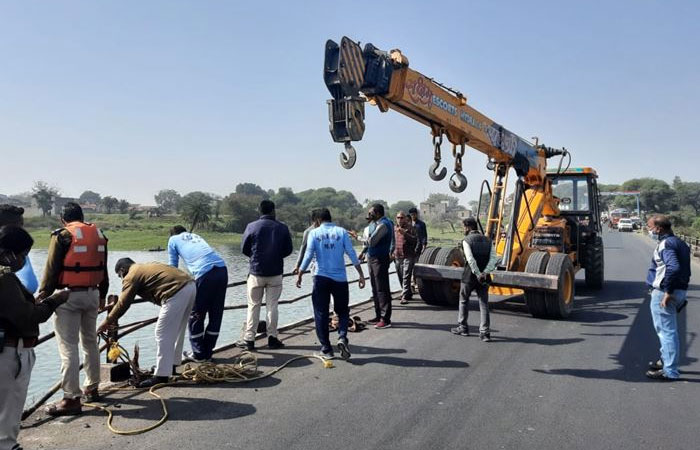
<point x="617" y="214"/>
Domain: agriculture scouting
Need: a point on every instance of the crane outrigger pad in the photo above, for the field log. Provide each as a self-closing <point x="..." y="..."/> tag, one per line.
<point x="518" y="280"/>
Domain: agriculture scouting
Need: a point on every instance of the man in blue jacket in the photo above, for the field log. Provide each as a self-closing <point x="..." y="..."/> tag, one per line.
<point x="668" y="278"/>
<point x="266" y="242"/>
<point x="329" y="244"/>
<point x="211" y="278"/>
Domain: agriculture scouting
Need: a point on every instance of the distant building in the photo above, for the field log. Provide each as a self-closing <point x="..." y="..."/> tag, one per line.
<point x="89" y="207"/>
<point x="58" y="203"/>
<point x="432" y="211"/>
<point x="463" y="213"/>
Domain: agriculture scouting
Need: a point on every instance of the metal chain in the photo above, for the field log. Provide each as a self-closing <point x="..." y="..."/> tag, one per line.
<point x="458" y="156"/>
<point x="437" y="142"/>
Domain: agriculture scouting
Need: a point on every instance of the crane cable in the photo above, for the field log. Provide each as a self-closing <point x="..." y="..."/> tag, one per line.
<point x="243" y="370"/>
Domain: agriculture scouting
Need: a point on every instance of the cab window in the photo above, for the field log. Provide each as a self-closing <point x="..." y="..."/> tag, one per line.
<point x="572" y="193"/>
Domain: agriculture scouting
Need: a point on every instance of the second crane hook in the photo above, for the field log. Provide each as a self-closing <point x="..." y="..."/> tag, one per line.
<point x="458" y="182"/>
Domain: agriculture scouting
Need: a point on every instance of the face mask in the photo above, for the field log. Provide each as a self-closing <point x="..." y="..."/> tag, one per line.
<point x="653" y="235"/>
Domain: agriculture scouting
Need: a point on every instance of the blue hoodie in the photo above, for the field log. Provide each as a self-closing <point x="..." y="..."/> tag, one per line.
<point x="670" y="265"/>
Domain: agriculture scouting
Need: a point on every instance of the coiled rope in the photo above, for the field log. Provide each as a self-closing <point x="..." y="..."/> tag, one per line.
<point x="243" y="369"/>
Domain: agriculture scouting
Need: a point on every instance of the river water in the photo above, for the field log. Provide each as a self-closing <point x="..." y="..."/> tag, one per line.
<point x="48" y="366"/>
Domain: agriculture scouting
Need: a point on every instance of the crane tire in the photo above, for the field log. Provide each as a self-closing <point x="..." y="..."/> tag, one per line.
<point x="595" y="264"/>
<point x="560" y="304"/>
<point x="425" y="287"/>
<point x="534" y="299"/>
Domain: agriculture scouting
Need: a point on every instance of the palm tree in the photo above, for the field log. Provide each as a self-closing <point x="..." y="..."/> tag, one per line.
<point x="195" y="208"/>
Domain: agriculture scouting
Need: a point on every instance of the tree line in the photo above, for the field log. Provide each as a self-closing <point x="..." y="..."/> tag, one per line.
<point x="234" y="211"/>
<point x="680" y="200"/>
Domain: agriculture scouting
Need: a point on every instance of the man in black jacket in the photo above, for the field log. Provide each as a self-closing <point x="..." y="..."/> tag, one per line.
<point x="266" y="242"/>
<point x="481" y="259"/>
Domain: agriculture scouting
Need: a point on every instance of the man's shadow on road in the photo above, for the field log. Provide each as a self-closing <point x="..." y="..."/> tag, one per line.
<point x="638" y="349"/>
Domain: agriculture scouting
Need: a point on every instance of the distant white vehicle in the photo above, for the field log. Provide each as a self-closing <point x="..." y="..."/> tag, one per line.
<point x="636" y="222"/>
<point x="625" y="225"/>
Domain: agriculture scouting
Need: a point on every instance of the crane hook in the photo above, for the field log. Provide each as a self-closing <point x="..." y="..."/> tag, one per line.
<point x="348" y="157"/>
<point x="458" y="182"/>
<point x="434" y="174"/>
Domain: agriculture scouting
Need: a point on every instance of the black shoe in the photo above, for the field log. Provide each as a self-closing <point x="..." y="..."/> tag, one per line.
<point x="485" y="337"/>
<point x="246" y="345"/>
<point x="658" y="375"/>
<point x="375" y="320"/>
<point x="150" y="382"/>
<point x="343" y="347"/>
<point x="658" y="365"/>
<point x="274" y="343"/>
<point x="460" y="330"/>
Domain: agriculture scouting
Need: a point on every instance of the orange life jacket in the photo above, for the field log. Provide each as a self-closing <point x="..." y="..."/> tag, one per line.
<point x="85" y="261"/>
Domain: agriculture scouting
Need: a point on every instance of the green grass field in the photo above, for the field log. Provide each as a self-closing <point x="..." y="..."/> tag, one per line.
<point x="145" y="233"/>
<point x="127" y="234"/>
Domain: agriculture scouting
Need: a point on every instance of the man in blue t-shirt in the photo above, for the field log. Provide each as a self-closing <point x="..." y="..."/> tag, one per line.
<point x="211" y="277"/>
<point x="329" y="244"/>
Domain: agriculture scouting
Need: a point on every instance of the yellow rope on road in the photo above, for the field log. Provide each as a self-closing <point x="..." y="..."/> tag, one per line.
<point x="243" y="370"/>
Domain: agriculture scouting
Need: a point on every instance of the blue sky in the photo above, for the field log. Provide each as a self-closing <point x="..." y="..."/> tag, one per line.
<point x="126" y="98"/>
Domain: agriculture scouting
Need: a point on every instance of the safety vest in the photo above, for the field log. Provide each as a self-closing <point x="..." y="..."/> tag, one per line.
<point x="85" y="261"/>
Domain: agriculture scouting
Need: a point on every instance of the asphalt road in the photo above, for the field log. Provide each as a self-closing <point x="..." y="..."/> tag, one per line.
<point x="541" y="384"/>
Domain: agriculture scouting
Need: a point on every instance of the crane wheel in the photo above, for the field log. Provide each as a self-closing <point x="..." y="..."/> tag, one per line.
<point x="561" y="303"/>
<point x="595" y="264"/>
<point x="534" y="299"/>
<point x="444" y="293"/>
<point x="425" y="287"/>
<point x="447" y="292"/>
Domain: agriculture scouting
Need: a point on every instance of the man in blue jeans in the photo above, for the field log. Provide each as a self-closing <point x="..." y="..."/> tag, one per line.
<point x="211" y="277"/>
<point x="668" y="278"/>
<point x="329" y="244"/>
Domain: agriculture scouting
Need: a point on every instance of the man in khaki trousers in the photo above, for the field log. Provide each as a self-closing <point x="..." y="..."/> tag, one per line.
<point x="77" y="259"/>
<point x="266" y="242"/>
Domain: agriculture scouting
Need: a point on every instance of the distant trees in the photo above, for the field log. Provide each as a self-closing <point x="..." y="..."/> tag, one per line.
<point x="168" y="200"/>
<point x="195" y="208"/>
<point x="89" y="197"/>
<point x="251" y="189"/>
<point x="401" y="205"/>
<point x="687" y="193"/>
<point x="44" y="196"/>
<point x="109" y="204"/>
<point x="123" y="206"/>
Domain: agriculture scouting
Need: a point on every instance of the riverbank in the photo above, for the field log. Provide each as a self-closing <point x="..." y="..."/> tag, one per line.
<point x="152" y="233"/>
